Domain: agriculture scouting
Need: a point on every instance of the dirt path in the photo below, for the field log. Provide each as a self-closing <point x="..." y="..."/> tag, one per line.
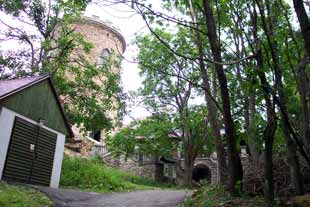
<point x="149" y="198"/>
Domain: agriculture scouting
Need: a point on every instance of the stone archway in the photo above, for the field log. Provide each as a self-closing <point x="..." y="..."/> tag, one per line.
<point x="201" y="172"/>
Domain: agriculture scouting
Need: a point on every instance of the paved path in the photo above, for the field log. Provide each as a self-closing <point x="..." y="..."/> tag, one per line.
<point x="149" y="198"/>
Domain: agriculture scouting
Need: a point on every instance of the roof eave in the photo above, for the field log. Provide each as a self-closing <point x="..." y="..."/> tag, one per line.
<point x="68" y="126"/>
<point x="71" y="134"/>
<point x="23" y="87"/>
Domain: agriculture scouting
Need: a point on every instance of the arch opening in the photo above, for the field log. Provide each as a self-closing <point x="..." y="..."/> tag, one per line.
<point x="201" y="172"/>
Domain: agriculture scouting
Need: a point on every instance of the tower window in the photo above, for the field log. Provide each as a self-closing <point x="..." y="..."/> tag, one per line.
<point x="96" y="135"/>
<point x="105" y="53"/>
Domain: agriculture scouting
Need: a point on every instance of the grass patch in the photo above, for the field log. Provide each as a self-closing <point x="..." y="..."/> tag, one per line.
<point x="93" y="175"/>
<point x="215" y="196"/>
<point x="21" y="196"/>
<point x="206" y="197"/>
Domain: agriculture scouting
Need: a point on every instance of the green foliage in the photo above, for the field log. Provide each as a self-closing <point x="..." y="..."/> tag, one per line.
<point x="21" y="196"/>
<point x="148" y="137"/>
<point x="207" y="196"/>
<point x="165" y="75"/>
<point x="93" y="175"/>
<point x="13" y="6"/>
<point x="161" y="135"/>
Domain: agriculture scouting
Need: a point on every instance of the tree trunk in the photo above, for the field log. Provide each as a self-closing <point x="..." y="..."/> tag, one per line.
<point x="188" y="170"/>
<point x="271" y="116"/>
<point x="215" y="129"/>
<point x="304" y="22"/>
<point x="189" y="148"/>
<point x="212" y="109"/>
<point x="296" y="177"/>
<point x="273" y="45"/>
<point x="189" y="158"/>
<point x="302" y="82"/>
<point x="234" y="165"/>
<point x="251" y="131"/>
<point x="306" y="121"/>
<point x="268" y="188"/>
<point x="250" y="110"/>
<point x="268" y="133"/>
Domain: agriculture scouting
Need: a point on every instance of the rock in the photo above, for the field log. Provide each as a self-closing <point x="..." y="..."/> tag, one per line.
<point x="302" y="201"/>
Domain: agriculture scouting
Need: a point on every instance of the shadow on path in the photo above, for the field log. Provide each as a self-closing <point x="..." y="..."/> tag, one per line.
<point x="148" y="198"/>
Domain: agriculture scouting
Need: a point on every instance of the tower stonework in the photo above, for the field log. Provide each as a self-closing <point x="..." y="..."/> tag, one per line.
<point x="106" y="40"/>
<point x="102" y="35"/>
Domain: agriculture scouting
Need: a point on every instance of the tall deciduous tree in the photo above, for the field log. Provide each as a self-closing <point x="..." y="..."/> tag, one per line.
<point x="168" y="87"/>
<point x="304" y="22"/>
<point x="48" y="44"/>
<point x="233" y="156"/>
<point x="212" y="113"/>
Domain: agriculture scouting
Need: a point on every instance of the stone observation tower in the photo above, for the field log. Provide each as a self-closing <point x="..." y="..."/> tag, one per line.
<point x="104" y="37"/>
<point x="106" y="40"/>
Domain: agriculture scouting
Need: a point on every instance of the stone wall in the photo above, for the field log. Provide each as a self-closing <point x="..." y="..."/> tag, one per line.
<point x="210" y="163"/>
<point x="154" y="170"/>
<point x="80" y="148"/>
<point x="253" y="176"/>
<point x="147" y="168"/>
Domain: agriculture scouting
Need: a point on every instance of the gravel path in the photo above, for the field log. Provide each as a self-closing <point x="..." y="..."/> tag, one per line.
<point x="148" y="198"/>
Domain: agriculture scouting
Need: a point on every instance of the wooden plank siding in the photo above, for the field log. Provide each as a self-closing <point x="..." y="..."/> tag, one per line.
<point x="35" y="102"/>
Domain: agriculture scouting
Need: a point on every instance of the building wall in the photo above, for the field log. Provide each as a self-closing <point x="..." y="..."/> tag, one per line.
<point x="209" y="163"/>
<point x="7" y="118"/>
<point x="145" y="169"/>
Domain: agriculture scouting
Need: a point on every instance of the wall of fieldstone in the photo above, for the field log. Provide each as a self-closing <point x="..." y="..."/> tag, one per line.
<point x="210" y="163"/>
<point x="154" y="170"/>
<point x="145" y="168"/>
<point x="253" y="176"/>
<point x="80" y="148"/>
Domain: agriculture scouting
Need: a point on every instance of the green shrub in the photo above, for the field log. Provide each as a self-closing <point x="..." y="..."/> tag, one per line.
<point x="207" y="196"/>
<point x="92" y="174"/>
